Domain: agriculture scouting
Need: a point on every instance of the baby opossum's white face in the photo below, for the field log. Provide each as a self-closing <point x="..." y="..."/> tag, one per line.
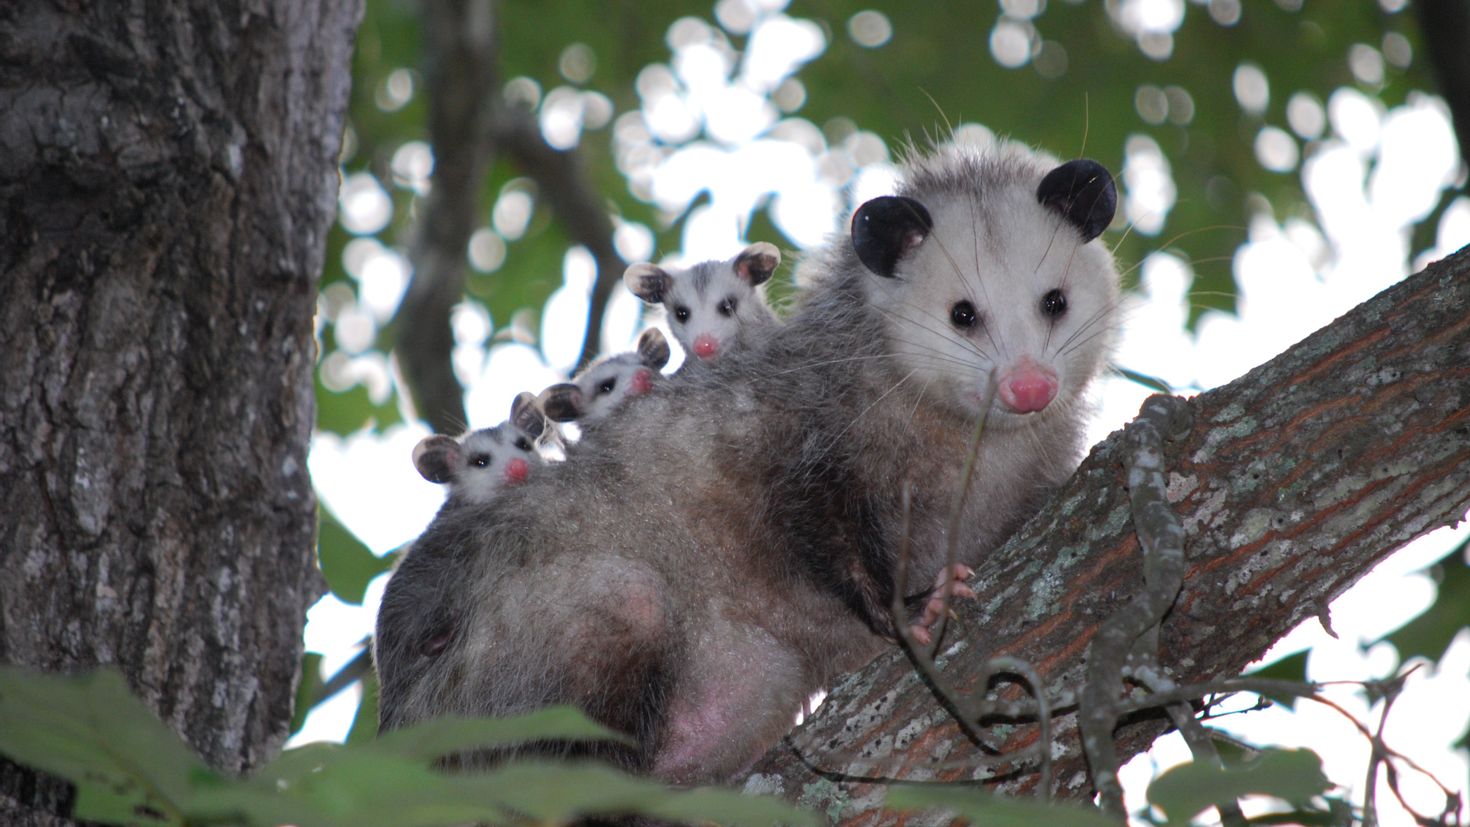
<point x="1004" y="286"/>
<point x="493" y="458"/>
<point x="601" y="388"/>
<point x="710" y="305"/>
<point x="606" y="385"/>
<point x="479" y="464"/>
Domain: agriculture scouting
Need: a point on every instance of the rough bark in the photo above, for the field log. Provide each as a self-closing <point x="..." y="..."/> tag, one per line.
<point x="459" y="70"/>
<point x="167" y="175"/>
<point x="1295" y="481"/>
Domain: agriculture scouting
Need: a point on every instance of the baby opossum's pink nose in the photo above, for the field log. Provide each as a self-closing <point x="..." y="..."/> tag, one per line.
<point x="516" y="470"/>
<point x="705" y="346"/>
<point x="1028" y="387"/>
<point x="642" y="381"/>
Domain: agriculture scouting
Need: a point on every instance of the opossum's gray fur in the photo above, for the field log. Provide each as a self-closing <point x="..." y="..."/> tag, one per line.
<point x="727" y="543"/>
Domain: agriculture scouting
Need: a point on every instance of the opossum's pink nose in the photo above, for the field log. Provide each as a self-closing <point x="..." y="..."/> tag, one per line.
<point x="1028" y="387"/>
<point x="706" y="347"/>
<point x="516" y="470"/>
<point x="642" y="381"/>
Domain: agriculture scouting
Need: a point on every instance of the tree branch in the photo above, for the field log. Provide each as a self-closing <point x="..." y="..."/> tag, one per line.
<point x="1445" y="25"/>
<point x="461" y="48"/>
<point x="582" y="210"/>
<point x="1296" y="480"/>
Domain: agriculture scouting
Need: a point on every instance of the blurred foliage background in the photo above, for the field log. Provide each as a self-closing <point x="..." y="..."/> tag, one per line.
<point x="600" y="133"/>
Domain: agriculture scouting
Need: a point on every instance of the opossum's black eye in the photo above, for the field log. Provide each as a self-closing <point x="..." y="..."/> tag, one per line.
<point x="606" y="386"/>
<point x="480" y="460"/>
<point x="727" y="307"/>
<point x="962" y="315"/>
<point x="681" y="314"/>
<point x="1054" y="304"/>
<point x="523" y="444"/>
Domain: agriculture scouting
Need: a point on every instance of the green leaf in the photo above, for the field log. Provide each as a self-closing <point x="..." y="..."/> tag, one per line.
<point x="365" y="721"/>
<point x="1153" y="383"/>
<point x="346" y="563"/>
<point x="130" y="769"/>
<point x="556" y="793"/>
<point x="445" y="736"/>
<point x="1185" y="790"/>
<point x="92" y="731"/>
<point x="1429" y="634"/>
<point x="981" y="807"/>
<point x="1290" y="668"/>
<point x="307" y="686"/>
<point x="351" y="410"/>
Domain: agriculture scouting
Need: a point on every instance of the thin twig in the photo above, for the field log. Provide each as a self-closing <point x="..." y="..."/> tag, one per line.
<point x="951" y="549"/>
<point x="1161" y="539"/>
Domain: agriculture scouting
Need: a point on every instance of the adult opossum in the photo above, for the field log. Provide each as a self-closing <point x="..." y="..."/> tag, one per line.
<point x="728" y="542"/>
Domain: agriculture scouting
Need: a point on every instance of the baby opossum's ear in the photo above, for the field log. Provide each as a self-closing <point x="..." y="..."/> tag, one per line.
<point x="653" y="348"/>
<point x="436" y="458"/>
<point x="526" y="416"/>
<point x="648" y="282"/>
<point x="885" y="228"/>
<point x="562" y="402"/>
<point x="1083" y="192"/>
<point x="757" y="262"/>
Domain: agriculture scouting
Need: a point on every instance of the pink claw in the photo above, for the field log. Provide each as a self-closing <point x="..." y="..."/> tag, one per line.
<point x="935" y="607"/>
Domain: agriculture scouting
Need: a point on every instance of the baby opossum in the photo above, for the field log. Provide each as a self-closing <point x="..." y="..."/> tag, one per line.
<point x="602" y="386"/>
<point x="715" y="306"/>
<point x="476" y="467"/>
<point x="480" y="463"/>
<point x="733" y="543"/>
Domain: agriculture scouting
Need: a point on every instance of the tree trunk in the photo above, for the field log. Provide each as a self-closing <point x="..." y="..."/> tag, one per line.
<point x="167" y="175"/>
<point x="1295" y="481"/>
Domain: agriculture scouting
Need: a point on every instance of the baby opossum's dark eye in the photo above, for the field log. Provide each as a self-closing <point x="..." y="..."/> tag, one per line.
<point x="681" y="314"/>
<point x="607" y="385"/>
<point x="727" y="307"/>
<point x="962" y="315"/>
<point x="480" y="460"/>
<point x="1054" y="304"/>
<point x="523" y="444"/>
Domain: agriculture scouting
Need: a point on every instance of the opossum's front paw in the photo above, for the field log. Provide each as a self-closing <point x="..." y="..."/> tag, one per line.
<point x="938" y="602"/>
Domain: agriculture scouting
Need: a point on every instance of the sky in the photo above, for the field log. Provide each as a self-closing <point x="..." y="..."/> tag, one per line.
<point x="1372" y="175"/>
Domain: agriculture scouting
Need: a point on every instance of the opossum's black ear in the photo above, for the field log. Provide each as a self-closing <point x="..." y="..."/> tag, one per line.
<point x="436" y="458"/>
<point x="653" y="348"/>
<point x="562" y="402"/>
<point x="885" y="228"/>
<point x="757" y="262"/>
<point x="1083" y="192"/>
<point x="648" y="282"/>
<point x="526" y="416"/>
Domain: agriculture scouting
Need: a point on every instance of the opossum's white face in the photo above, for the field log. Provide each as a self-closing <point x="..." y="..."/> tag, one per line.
<point x="714" y="306"/>
<point x="997" y="283"/>
<point x="494" y="458"/>
<point x="604" y="386"/>
<point x="478" y="465"/>
<point x="601" y="388"/>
